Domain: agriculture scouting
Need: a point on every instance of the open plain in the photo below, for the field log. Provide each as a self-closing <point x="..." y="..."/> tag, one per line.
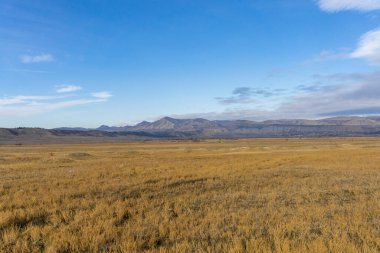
<point x="258" y="195"/>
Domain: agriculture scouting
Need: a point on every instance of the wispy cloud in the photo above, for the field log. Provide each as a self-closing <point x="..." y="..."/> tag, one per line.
<point x="36" y="107"/>
<point x="246" y="95"/>
<point x="102" y="95"/>
<point x="21" y="105"/>
<point x="36" y="58"/>
<point x="67" y="88"/>
<point x="369" y="47"/>
<point x="23" y="99"/>
<point x="71" y="103"/>
<point x="241" y="95"/>
<point x="328" y="55"/>
<point x="342" y="5"/>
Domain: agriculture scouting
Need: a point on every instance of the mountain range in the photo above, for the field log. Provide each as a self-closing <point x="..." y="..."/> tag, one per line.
<point x="170" y="128"/>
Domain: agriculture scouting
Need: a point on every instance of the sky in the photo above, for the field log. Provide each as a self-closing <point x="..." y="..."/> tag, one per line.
<point x="93" y="62"/>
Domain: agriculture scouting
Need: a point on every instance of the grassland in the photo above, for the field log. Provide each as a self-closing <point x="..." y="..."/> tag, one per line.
<point x="266" y="195"/>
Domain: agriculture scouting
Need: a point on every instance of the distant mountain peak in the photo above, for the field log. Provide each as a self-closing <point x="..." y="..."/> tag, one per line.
<point x="167" y="118"/>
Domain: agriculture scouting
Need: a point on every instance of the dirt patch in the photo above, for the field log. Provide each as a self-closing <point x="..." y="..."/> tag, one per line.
<point x="79" y="155"/>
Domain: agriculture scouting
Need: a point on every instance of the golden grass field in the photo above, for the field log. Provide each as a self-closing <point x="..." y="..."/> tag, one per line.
<point x="259" y="195"/>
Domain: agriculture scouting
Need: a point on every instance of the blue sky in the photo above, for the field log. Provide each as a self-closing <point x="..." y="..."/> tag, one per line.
<point x="93" y="62"/>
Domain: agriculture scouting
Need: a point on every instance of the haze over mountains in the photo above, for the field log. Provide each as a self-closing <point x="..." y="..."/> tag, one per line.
<point x="170" y="128"/>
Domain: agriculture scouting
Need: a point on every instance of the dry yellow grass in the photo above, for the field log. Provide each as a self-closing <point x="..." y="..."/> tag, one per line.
<point x="266" y="195"/>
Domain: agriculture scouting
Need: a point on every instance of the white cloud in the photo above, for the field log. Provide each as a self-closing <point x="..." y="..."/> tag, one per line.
<point x="35" y="107"/>
<point x="22" y="99"/>
<point x="102" y="95"/>
<point x="71" y="103"/>
<point x="342" y="5"/>
<point x="67" y="88"/>
<point x="369" y="47"/>
<point x="22" y="106"/>
<point x="36" y="58"/>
